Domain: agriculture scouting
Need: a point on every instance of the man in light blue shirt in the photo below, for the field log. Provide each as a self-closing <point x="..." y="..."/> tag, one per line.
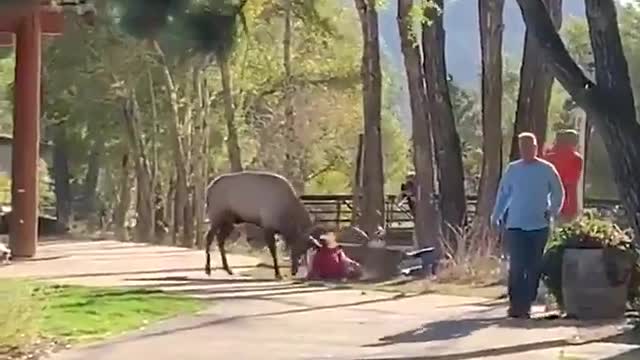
<point x="532" y="193"/>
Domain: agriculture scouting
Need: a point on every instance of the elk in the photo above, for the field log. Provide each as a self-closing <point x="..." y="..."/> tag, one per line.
<point x="264" y="199"/>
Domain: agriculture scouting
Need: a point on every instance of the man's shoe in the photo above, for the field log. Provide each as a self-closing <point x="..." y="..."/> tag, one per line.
<point x="512" y="313"/>
<point x="515" y="314"/>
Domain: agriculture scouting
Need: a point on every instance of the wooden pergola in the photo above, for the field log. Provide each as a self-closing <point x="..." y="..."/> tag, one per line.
<point x="23" y="27"/>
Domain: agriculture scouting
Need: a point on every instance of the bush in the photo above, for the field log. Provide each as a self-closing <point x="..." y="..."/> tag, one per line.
<point x="588" y="232"/>
<point x="20" y="314"/>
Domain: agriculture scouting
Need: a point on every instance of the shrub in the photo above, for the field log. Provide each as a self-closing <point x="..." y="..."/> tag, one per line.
<point x="588" y="232"/>
<point x="20" y="314"/>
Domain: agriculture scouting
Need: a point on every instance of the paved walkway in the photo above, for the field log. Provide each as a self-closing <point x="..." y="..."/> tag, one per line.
<point x="265" y="319"/>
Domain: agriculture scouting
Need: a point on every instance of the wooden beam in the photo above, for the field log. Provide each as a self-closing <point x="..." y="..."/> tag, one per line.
<point x="52" y="22"/>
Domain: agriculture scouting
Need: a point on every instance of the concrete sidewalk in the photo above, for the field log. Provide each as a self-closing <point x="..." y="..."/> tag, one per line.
<point x="265" y="319"/>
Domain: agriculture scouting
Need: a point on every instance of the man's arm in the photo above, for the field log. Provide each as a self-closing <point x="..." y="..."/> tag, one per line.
<point x="556" y="191"/>
<point x="503" y="196"/>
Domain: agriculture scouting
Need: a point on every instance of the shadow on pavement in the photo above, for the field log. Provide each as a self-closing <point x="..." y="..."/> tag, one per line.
<point x="224" y="320"/>
<point x="481" y="354"/>
<point x="629" y="355"/>
<point x="228" y="288"/>
<point x="182" y="280"/>
<point x="631" y="338"/>
<point x="451" y="329"/>
<point x="120" y="273"/>
<point x="457" y="328"/>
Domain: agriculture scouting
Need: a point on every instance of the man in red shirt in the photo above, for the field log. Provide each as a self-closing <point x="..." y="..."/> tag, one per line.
<point x="569" y="164"/>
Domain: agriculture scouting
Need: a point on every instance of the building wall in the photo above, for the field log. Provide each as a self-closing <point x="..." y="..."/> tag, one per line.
<point x="6" y="153"/>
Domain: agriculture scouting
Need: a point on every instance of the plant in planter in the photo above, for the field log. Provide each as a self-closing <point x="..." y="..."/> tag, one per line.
<point x="619" y="256"/>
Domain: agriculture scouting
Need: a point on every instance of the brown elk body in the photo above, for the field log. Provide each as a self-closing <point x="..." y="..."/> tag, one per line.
<point x="264" y="199"/>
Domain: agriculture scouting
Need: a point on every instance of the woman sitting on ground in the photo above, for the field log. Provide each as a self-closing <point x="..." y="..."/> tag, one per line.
<point x="329" y="262"/>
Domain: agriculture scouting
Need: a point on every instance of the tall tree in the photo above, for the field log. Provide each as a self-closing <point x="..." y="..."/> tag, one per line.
<point x="609" y="101"/>
<point x="144" y="203"/>
<point x="233" y="145"/>
<point x="178" y="147"/>
<point x="61" y="175"/>
<point x="427" y="220"/>
<point x="445" y="135"/>
<point x="373" y="189"/>
<point x="292" y="157"/>
<point x="491" y="28"/>
<point x="536" y="81"/>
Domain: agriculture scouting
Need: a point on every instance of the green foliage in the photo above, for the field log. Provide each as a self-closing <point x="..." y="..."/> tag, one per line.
<point x="422" y="13"/>
<point x="209" y="26"/>
<point x="6" y="80"/>
<point x="588" y="232"/>
<point x="47" y="197"/>
<point x="45" y="188"/>
<point x="91" y="70"/>
<point x="5" y="189"/>
<point x="396" y="150"/>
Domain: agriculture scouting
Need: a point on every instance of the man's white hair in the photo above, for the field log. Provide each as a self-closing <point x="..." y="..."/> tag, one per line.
<point x="528" y="135"/>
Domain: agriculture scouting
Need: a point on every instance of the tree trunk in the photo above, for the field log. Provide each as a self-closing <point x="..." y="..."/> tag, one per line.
<point x="61" y="176"/>
<point x="90" y="200"/>
<point x="233" y="146"/>
<point x="427" y="220"/>
<point x="201" y="164"/>
<point x="491" y="28"/>
<point x="373" y="201"/>
<point x="124" y="200"/>
<point x="144" y="206"/>
<point x="179" y="203"/>
<point x="188" y="239"/>
<point x="445" y="135"/>
<point x="170" y="210"/>
<point x="609" y="102"/>
<point x="155" y="185"/>
<point x="536" y="81"/>
<point x="293" y="153"/>
<point x="181" y="191"/>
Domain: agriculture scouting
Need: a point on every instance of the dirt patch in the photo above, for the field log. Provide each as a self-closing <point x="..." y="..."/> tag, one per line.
<point x="401" y="285"/>
<point x="424" y="286"/>
<point x="40" y="349"/>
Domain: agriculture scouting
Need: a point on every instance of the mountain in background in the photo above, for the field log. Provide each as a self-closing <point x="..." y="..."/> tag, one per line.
<point x="463" y="37"/>
<point x="462" y="44"/>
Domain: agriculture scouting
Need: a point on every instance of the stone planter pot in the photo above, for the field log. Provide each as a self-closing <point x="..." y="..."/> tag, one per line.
<point x="586" y="288"/>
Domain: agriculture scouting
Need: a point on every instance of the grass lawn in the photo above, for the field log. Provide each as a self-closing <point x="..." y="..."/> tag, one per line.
<point x="73" y="314"/>
<point x="80" y="313"/>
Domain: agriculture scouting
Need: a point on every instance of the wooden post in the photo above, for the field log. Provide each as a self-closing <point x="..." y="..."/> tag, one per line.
<point x="357" y="182"/>
<point x="583" y="138"/>
<point x="26" y="138"/>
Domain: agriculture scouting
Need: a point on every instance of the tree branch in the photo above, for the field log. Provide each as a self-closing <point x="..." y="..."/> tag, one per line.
<point x="565" y="69"/>
<point x="330" y="165"/>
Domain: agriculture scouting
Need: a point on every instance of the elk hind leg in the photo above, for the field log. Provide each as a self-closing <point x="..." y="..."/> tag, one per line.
<point x="209" y="239"/>
<point x="223" y="232"/>
<point x="270" y="239"/>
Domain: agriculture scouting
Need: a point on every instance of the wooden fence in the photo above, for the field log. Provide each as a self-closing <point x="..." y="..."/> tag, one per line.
<point x="337" y="210"/>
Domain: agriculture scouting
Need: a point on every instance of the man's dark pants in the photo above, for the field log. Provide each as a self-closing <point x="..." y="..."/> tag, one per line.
<point x="525" y="265"/>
